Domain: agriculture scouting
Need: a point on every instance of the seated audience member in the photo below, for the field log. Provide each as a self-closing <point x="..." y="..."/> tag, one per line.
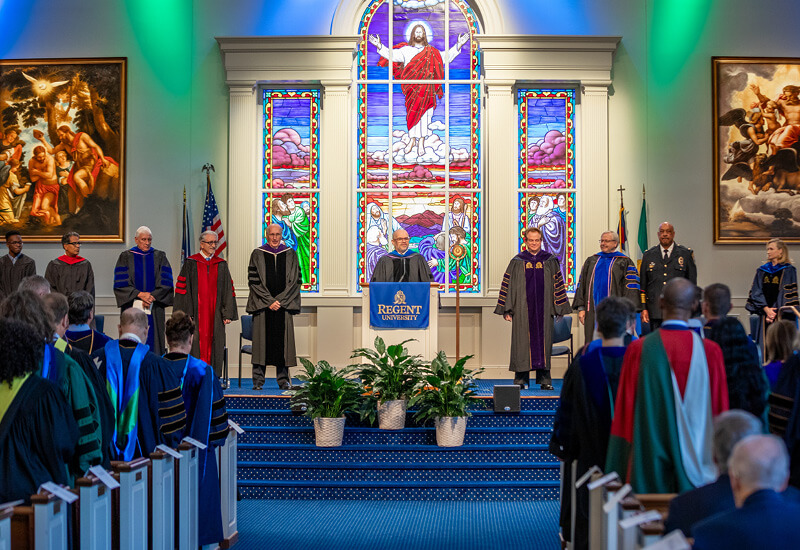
<point x="36" y="284"/>
<point x="747" y="384"/>
<point x="784" y="413"/>
<point x="39" y="434"/>
<point x="583" y="419"/>
<point x="138" y="380"/>
<point x="693" y="506"/>
<point x="715" y="305"/>
<point x="759" y="470"/>
<point x="206" y="418"/>
<point x="781" y="336"/>
<point x="675" y="380"/>
<point x="57" y="307"/>
<point x="66" y="374"/>
<point x="81" y="314"/>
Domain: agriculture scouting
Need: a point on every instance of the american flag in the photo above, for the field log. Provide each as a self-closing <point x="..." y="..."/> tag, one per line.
<point x="212" y="221"/>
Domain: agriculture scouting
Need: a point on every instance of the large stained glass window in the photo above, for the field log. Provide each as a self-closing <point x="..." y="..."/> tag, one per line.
<point x="418" y="85"/>
<point x="290" y="196"/>
<point x="547" y="191"/>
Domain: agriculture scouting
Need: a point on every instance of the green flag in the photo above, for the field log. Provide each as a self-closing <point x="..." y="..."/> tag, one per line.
<point x="643" y="226"/>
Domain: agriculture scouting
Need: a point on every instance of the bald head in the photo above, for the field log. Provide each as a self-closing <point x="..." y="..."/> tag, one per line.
<point x="758" y="462"/>
<point x="400" y="240"/>
<point x="274" y="235"/>
<point x="678" y="299"/>
<point x="134" y="321"/>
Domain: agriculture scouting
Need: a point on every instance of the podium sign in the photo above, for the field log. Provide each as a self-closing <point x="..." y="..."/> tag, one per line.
<point x="399" y="305"/>
<point x="425" y="338"/>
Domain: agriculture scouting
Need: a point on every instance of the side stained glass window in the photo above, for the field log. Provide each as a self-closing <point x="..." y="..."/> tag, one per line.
<point x="418" y="166"/>
<point x="547" y="191"/>
<point x="290" y="196"/>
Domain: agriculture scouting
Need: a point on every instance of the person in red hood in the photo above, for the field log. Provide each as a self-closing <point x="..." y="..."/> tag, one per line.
<point x="70" y="272"/>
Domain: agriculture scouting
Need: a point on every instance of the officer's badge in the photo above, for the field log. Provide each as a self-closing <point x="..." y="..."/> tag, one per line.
<point x="528" y="265"/>
<point x="651" y="266"/>
<point x="680" y="261"/>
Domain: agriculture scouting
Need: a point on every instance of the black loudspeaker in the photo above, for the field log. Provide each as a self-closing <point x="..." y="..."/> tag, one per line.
<point x="506" y="399"/>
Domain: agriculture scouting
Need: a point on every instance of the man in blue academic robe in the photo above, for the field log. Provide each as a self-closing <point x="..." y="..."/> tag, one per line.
<point x="146" y="395"/>
<point x="583" y="418"/>
<point x="206" y="419"/>
<point x="607" y="273"/>
<point x="143" y="280"/>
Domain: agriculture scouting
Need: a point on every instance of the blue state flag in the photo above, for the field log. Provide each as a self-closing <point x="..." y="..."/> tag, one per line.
<point x="399" y="305"/>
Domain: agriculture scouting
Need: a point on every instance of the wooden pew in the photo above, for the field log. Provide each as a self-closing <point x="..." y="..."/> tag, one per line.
<point x="656" y="501"/>
<point x="162" y="491"/>
<point x="92" y="514"/>
<point x="226" y="459"/>
<point x="5" y="527"/>
<point x="41" y="526"/>
<point x="186" y="510"/>
<point x="130" y="510"/>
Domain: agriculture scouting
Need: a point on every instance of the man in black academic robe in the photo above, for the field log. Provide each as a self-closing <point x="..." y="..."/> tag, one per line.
<point x="531" y="295"/>
<point x="274" y="279"/>
<point x="70" y="272"/>
<point x="38" y="434"/>
<point x="607" y="273"/>
<point x="401" y="265"/>
<point x="204" y="291"/>
<point x="143" y="280"/>
<point x="583" y="419"/>
<point x="661" y="263"/>
<point x="161" y="418"/>
<point x="15" y="265"/>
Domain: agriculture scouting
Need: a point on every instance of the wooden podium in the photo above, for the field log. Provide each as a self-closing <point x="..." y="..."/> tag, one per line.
<point x="427" y="339"/>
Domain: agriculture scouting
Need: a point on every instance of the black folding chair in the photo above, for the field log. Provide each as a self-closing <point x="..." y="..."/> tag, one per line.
<point x="562" y="331"/>
<point x="246" y="334"/>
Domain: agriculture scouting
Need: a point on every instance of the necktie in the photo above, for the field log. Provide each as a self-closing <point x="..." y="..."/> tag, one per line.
<point x="666" y="254"/>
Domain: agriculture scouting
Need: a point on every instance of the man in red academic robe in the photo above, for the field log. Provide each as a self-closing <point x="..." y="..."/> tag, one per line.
<point x="204" y="291"/>
<point x="417" y="60"/>
<point x="671" y="386"/>
<point x="70" y="272"/>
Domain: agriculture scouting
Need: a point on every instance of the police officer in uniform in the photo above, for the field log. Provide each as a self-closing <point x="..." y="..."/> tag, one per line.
<point x="661" y="263"/>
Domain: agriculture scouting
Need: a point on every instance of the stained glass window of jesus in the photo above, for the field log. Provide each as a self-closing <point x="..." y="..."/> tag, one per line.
<point x="418" y="166"/>
<point x="547" y="190"/>
<point x="290" y="194"/>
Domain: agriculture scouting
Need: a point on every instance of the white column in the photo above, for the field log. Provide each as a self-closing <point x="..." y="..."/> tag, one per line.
<point x="500" y="187"/>
<point x="243" y="182"/>
<point x="500" y="213"/>
<point x="336" y="236"/>
<point x="593" y="154"/>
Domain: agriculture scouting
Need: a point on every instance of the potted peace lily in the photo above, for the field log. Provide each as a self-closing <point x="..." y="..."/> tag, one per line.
<point x="389" y="375"/>
<point x="325" y="395"/>
<point x="444" y="396"/>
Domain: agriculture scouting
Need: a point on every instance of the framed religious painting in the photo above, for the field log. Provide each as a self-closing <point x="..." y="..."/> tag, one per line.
<point x="756" y="110"/>
<point x="62" y="149"/>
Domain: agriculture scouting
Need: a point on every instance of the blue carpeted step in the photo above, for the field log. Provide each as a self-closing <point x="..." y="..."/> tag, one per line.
<point x="295" y="435"/>
<point x="394" y="453"/>
<point x="283" y="402"/>
<point x="279" y="417"/>
<point x="422" y="491"/>
<point x="402" y="473"/>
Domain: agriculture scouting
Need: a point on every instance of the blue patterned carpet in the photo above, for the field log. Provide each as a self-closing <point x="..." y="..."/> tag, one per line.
<point x="397" y="525"/>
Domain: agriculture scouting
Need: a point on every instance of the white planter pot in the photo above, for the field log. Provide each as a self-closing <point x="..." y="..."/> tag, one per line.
<point x="450" y="430"/>
<point x="392" y="414"/>
<point x="329" y="432"/>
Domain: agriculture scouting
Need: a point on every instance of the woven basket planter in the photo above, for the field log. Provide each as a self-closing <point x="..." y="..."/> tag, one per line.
<point x="329" y="432"/>
<point x="450" y="430"/>
<point x="392" y="414"/>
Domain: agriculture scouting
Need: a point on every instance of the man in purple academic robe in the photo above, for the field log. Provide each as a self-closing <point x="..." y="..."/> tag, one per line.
<point x="531" y="295"/>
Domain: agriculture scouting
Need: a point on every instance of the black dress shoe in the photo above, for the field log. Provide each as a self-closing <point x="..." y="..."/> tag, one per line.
<point x="285" y="386"/>
<point x="258" y="388"/>
<point x="225" y="385"/>
<point x="547" y="387"/>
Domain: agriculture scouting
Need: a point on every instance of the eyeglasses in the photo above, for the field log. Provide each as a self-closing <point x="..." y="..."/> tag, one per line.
<point x="214" y="243"/>
<point x="75" y="243"/>
<point x="607" y="241"/>
<point x="401" y="239"/>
